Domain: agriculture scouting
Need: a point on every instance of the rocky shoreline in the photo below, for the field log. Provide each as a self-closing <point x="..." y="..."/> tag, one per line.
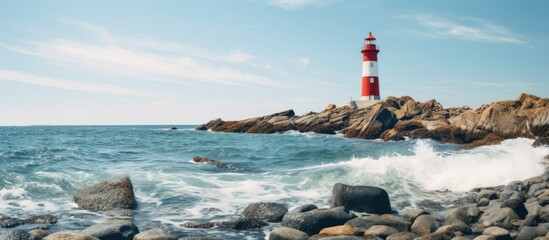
<point x="518" y="210"/>
<point x="396" y="118"/>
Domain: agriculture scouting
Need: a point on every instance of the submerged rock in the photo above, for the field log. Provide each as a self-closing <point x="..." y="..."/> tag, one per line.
<point x="18" y="235"/>
<point x="41" y="219"/>
<point x="361" y="198"/>
<point x="107" y="195"/>
<point x="205" y="160"/>
<point x="154" y="234"/>
<point x="9" y="222"/>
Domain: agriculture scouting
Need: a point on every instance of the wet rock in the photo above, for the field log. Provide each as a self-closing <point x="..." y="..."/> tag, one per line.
<point x="506" y="195"/>
<point x="497" y="232"/>
<point x="323" y="237"/>
<point x="445" y="232"/>
<point x="366" y="222"/>
<point x="528" y="233"/>
<point x="361" y="198"/>
<point x="488" y="194"/>
<point x="267" y="211"/>
<point x="107" y="195"/>
<point x="205" y="160"/>
<point x="199" y="225"/>
<point x="173" y="128"/>
<point x="154" y="234"/>
<point x="380" y="231"/>
<point x="540" y="142"/>
<point x="286" y="233"/>
<point x="311" y="220"/>
<point x="402" y="236"/>
<point x="340" y="230"/>
<point x="459" y="219"/>
<point x="243" y="223"/>
<point x="111" y="230"/>
<point x="41" y="219"/>
<point x="9" y="222"/>
<point x="517" y="205"/>
<point x="39" y="233"/>
<point x="425" y="224"/>
<point x="69" y="236"/>
<point x="412" y="214"/>
<point x="18" y="235"/>
<point x="501" y="217"/>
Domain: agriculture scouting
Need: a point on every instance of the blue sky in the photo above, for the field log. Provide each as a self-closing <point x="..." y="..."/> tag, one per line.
<point x="187" y="62"/>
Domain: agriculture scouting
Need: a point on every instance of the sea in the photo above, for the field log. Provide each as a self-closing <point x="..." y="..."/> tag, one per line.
<point x="42" y="167"/>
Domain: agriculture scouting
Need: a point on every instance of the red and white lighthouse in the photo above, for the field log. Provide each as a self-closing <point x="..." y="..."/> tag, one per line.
<point x="370" y="78"/>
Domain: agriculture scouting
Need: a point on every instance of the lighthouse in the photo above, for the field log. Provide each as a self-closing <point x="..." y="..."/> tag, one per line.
<point x="370" y="78"/>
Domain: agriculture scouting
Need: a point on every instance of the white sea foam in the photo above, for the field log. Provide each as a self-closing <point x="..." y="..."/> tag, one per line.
<point x="458" y="170"/>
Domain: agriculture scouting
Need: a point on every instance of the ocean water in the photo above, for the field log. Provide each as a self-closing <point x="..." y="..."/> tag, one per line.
<point x="41" y="167"/>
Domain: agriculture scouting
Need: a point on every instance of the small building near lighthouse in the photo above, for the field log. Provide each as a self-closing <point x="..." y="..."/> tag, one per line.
<point x="370" y="79"/>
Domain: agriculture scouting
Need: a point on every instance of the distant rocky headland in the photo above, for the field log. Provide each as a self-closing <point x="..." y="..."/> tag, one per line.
<point x="393" y="119"/>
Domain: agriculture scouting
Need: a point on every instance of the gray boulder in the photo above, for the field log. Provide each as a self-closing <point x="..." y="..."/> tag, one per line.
<point x="380" y="231"/>
<point x="412" y="214"/>
<point x="270" y="212"/>
<point x="361" y="198"/>
<point x="500" y="217"/>
<point x="286" y="233"/>
<point x="113" y="230"/>
<point x="366" y="222"/>
<point x="9" y="222"/>
<point x="18" y="235"/>
<point x="41" y="219"/>
<point x="154" y="234"/>
<point x="107" y="195"/>
<point x="402" y="236"/>
<point x="528" y="233"/>
<point x="243" y="223"/>
<point x="424" y="225"/>
<point x="517" y="205"/>
<point x="69" y="236"/>
<point x="311" y="220"/>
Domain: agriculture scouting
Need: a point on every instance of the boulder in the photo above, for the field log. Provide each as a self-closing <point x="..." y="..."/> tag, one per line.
<point x="528" y="233"/>
<point x="412" y="214"/>
<point x="154" y="234"/>
<point x="402" y="236"/>
<point x="243" y="223"/>
<point x="380" y="231"/>
<point x="39" y="233"/>
<point x="375" y="121"/>
<point x="41" y="219"/>
<point x="501" y="217"/>
<point x="18" y="235"/>
<point x="113" y="230"/>
<point x="330" y="106"/>
<point x="366" y="222"/>
<point x="361" y="198"/>
<point x="205" y="160"/>
<point x="517" y="205"/>
<point x="340" y="230"/>
<point x="267" y="211"/>
<point x="497" y="232"/>
<point x="311" y="220"/>
<point x="541" y="142"/>
<point x="9" y="222"/>
<point x="107" y="195"/>
<point x="286" y="233"/>
<point x="69" y="236"/>
<point x="425" y="224"/>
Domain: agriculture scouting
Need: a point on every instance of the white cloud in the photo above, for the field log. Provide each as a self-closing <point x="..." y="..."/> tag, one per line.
<point x="23" y="77"/>
<point x="143" y="60"/>
<point x="296" y="4"/>
<point x="471" y="29"/>
<point x="304" y="61"/>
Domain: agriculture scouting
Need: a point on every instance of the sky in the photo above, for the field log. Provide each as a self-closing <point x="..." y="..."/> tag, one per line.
<point x="190" y="61"/>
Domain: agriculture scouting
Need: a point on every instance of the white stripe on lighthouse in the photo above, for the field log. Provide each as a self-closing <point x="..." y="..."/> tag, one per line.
<point x="369" y="69"/>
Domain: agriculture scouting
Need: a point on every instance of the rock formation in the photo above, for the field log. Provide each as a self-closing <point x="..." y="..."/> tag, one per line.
<point x="395" y="118"/>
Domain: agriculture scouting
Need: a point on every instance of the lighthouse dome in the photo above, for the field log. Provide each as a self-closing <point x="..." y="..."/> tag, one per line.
<point x="370" y="37"/>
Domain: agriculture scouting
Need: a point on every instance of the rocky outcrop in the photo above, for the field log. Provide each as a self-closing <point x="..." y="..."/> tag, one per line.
<point x="394" y="118"/>
<point x="107" y="195"/>
<point x="361" y="198"/>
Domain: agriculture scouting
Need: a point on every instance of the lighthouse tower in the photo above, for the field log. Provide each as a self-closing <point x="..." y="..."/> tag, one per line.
<point x="370" y="79"/>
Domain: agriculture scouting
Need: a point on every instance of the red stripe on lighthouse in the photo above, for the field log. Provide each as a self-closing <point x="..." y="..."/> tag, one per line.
<point x="370" y="79"/>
